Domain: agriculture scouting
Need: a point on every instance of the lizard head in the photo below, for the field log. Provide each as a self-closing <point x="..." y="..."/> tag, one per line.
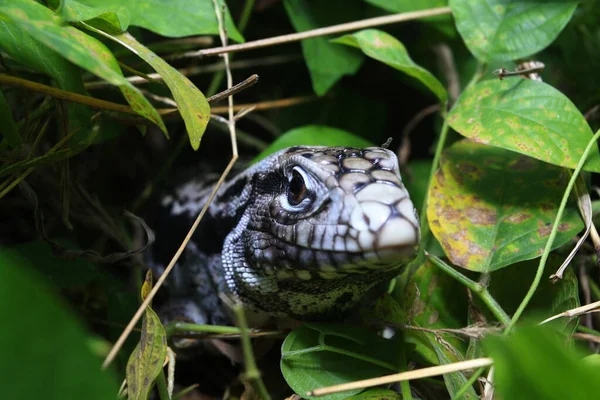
<point x="326" y="225"/>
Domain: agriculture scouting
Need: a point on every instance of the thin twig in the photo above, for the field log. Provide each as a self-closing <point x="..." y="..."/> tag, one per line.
<point x="245" y="84"/>
<point x="119" y="343"/>
<point x="330" y="30"/>
<point x="110" y="106"/>
<point x="204" y="69"/>
<point x="405" y="376"/>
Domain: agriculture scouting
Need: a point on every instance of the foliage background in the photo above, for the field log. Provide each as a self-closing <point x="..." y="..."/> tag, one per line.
<point x="69" y="279"/>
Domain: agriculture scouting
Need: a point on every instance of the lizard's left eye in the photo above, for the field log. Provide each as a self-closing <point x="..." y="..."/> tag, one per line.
<point x="297" y="190"/>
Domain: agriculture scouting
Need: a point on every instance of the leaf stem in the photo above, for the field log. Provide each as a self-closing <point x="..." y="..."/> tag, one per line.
<point x="476" y="287"/>
<point x="559" y="214"/>
<point x="463" y="389"/>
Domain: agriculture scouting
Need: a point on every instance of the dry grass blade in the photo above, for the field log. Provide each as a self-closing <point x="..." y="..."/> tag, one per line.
<point x="119" y="343"/>
<point x="585" y="207"/>
<point x="330" y="30"/>
<point x="574" y="312"/>
<point x="405" y="376"/>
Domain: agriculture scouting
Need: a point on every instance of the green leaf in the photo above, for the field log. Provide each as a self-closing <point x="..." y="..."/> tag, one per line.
<point x="510" y="285"/>
<point x="24" y="49"/>
<point x="326" y="62"/>
<point x="79" y="48"/>
<point x="533" y="364"/>
<point x="172" y="18"/>
<point x="8" y="127"/>
<point x="490" y="208"/>
<point x="377" y="394"/>
<point x="61" y="272"/>
<point x="314" y="135"/>
<point x="399" y="6"/>
<point x="526" y="116"/>
<point x="45" y="351"/>
<point x="191" y="103"/>
<point x="113" y="18"/>
<point x="510" y="29"/>
<point x="340" y="353"/>
<point x="146" y="361"/>
<point x="387" y="49"/>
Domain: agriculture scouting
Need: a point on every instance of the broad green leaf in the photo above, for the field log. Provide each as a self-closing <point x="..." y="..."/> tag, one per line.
<point x="377" y="394"/>
<point x="510" y="285"/>
<point x="534" y="364"/>
<point x="510" y="29"/>
<point x="31" y="53"/>
<point x="172" y="18"/>
<point x="385" y="48"/>
<point x="61" y="272"/>
<point x="79" y="48"/>
<point x="526" y="116"/>
<point x="490" y="207"/>
<point x="443" y="23"/>
<point x="146" y="361"/>
<point x="113" y="18"/>
<point x="8" y="127"/>
<point x="326" y="62"/>
<point x="191" y="103"/>
<point x="314" y="135"/>
<point x="45" y="351"/>
<point x="399" y="6"/>
<point x="339" y="353"/>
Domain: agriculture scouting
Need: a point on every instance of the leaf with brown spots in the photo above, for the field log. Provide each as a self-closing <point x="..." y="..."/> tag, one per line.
<point x="507" y="30"/>
<point x="146" y="360"/>
<point x="491" y="208"/>
<point x="528" y="117"/>
<point x="385" y="48"/>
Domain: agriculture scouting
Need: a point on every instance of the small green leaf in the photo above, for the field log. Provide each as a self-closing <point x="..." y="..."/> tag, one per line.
<point x="533" y="364"/>
<point x="340" y="353"/>
<point x="191" y="103"/>
<point x="490" y="207"/>
<point x="45" y="348"/>
<point x="326" y="62"/>
<point x="108" y="18"/>
<point x="526" y="116"/>
<point x="146" y="361"/>
<point x="8" y="127"/>
<point x="314" y="135"/>
<point x="385" y="48"/>
<point x="172" y="18"/>
<point x="79" y="48"/>
<point x="508" y="30"/>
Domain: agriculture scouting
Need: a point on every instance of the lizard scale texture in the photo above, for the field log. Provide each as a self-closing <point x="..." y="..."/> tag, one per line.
<point x="304" y="233"/>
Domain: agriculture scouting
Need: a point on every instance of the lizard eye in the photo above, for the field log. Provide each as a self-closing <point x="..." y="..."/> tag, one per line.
<point x="297" y="190"/>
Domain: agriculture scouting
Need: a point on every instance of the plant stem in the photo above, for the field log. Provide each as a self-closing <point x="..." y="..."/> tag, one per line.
<point x="251" y="373"/>
<point x="463" y="389"/>
<point x="476" y="287"/>
<point x="174" y="328"/>
<point x="559" y="214"/>
<point x="161" y="384"/>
